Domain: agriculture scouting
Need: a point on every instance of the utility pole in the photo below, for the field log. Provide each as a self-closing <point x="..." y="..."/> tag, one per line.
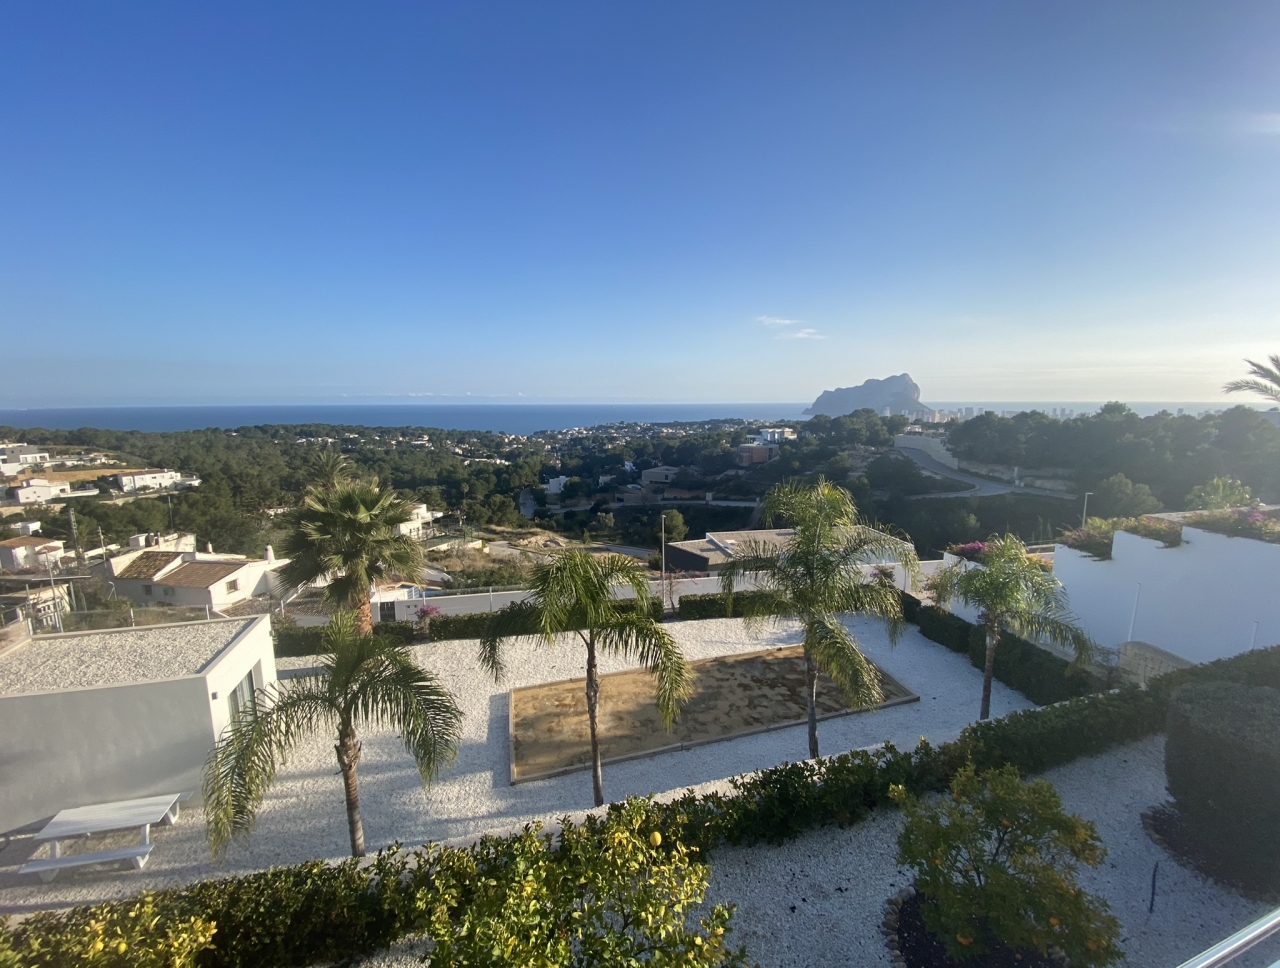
<point x="171" y="513"/>
<point x="102" y="543"/>
<point x="1084" y="515"/>
<point x="53" y="591"/>
<point x="75" y="535"/>
<point x="662" y="517"/>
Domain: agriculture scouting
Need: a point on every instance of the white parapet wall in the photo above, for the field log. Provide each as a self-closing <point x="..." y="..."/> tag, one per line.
<point x="935" y="447"/>
<point x="1209" y="598"/>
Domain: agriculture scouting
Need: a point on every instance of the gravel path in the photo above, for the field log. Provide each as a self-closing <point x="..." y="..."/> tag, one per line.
<point x="303" y="816"/>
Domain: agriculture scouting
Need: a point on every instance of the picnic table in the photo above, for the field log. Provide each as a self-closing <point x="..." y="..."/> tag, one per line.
<point x="101" y="818"/>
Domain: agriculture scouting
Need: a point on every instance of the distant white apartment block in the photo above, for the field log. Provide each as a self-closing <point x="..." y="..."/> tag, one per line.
<point x="659" y="475"/>
<point x="38" y="490"/>
<point x="14" y="458"/>
<point x="152" y="479"/>
<point x="556" y="484"/>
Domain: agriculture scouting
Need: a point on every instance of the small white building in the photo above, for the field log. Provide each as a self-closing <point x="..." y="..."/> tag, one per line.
<point x="556" y="484"/>
<point x="775" y="435"/>
<point x="659" y="475"/>
<point x="26" y="527"/>
<point x="152" y="479"/>
<point x="91" y="717"/>
<point x="29" y="553"/>
<point x="38" y="490"/>
<point x="1208" y="598"/>
<point x="419" y="526"/>
<point x="178" y="541"/>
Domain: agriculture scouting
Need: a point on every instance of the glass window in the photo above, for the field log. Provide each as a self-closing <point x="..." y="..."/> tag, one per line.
<point x="233" y="586"/>
<point x="241" y="696"/>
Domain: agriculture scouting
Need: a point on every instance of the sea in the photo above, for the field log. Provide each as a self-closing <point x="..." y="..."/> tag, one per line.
<point x="517" y="418"/>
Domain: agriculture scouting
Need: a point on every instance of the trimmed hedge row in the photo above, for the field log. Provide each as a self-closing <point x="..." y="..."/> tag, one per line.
<point x="295" y="640"/>
<point x="314" y="911"/>
<point x="1223" y="769"/>
<point x="714" y="605"/>
<point x="1042" y="677"/>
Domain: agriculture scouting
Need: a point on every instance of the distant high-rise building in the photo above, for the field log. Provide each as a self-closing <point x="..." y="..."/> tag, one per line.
<point x="968" y="413"/>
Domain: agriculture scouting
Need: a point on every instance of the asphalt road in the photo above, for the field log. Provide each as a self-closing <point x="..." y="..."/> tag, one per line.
<point x="981" y="486"/>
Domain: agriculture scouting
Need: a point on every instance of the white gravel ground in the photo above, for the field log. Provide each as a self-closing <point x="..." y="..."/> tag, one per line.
<point x="303" y="816"/>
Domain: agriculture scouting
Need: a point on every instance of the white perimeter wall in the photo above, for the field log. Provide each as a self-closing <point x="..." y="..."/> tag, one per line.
<point x="1200" y="600"/>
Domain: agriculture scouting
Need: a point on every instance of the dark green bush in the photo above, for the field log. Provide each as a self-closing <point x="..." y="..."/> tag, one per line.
<point x="443" y="627"/>
<point x="714" y="605"/>
<point x="1222" y="762"/>
<point x="293" y="640"/>
<point x="1260" y="667"/>
<point x="1039" y="675"/>
<point x="404" y="631"/>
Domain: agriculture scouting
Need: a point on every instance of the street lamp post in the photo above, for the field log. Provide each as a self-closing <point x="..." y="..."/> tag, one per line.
<point x="1084" y="515"/>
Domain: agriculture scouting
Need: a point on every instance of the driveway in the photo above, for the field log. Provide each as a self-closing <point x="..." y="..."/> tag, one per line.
<point x="981" y="487"/>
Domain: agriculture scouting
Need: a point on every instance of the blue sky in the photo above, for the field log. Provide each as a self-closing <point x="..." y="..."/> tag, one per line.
<point x="661" y="201"/>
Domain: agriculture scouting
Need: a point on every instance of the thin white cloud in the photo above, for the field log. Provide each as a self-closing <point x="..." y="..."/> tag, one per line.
<point x="805" y="333"/>
<point x="776" y="321"/>
<point x="1261" y="122"/>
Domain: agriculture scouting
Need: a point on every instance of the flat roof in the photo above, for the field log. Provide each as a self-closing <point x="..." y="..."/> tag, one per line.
<point x="719" y="546"/>
<point x="113" y="657"/>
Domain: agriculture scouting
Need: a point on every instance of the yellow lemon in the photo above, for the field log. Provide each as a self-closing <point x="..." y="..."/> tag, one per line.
<point x="964" y="940"/>
<point x="121" y="948"/>
<point x="655" y="839"/>
<point x="1055" y="922"/>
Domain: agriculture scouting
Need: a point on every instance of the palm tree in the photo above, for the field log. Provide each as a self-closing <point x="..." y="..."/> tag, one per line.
<point x="365" y="681"/>
<point x="1265" y="380"/>
<point x="825" y="570"/>
<point x="1012" y="590"/>
<point x="346" y="534"/>
<point x="574" y="592"/>
<point x="331" y="469"/>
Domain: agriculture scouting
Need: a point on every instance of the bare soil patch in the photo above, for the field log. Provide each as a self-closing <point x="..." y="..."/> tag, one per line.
<point x="733" y="695"/>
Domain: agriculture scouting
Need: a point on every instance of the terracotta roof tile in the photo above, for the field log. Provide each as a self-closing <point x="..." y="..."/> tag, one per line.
<point x="148" y="564"/>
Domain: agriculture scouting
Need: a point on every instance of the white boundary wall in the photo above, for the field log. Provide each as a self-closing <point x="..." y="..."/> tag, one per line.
<point x="1209" y="598"/>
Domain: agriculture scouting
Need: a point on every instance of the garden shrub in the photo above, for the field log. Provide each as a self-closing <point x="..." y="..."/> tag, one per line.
<point x="610" y="892"/>
<point x="131" y="934"/>
<point x="1039" y="675"/>
<point x="405" y="632"/>
<point x="1222" y="762"/>
<point x="295" y="640"/>
<point x="1259" y="667"/>
<point x="995" y="865"/>
<point x="715" y="605"/>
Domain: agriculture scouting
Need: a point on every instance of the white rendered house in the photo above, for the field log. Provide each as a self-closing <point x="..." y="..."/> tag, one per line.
<point x="92" y="717"/>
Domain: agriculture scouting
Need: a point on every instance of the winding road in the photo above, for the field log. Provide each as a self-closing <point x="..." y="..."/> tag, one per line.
<point x="981" y="486"/>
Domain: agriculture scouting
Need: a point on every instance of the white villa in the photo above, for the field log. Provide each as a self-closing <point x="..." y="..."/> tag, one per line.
<point x="196" y="579"/>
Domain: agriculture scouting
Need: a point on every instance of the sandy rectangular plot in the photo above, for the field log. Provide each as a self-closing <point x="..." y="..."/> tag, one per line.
<point x="734" y="695"/>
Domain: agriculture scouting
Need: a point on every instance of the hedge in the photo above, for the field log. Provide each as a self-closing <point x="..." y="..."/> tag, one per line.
<point x="314" y="911"/>
<point x="714" y="605"/>
<point x="1223" y="771"/>
<point x="295" y="640"/>
<point x="1042" y="677"/>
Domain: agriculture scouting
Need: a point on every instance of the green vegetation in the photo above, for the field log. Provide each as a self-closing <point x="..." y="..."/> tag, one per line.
<point x="574" y="592"/>
<point x="1169" y="454"/>
<point x="363" y="680"/>
<point x="995" y="864"/>
<point x="816" y="579"/>
<point x="1224" y="775"/>
<point x="1040" y="676"/>
<point x="1012" y="590"/>
<point x="1218" y="495"/>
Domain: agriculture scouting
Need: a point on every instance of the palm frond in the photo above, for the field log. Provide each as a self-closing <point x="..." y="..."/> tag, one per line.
<point x="637" y="635"/>
<point x="515" y="621"/>
<point x="393" y="691"/>
<point x="836" y="652"/>
<point x="242" y="765"/>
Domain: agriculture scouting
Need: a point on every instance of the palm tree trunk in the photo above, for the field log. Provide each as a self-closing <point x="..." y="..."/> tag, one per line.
<point x="593" y="710"/>
<point x="989" y="667"/>
<point x="348" y="750"/>
<point x="811" y="694"/>
<point x="364" y="615"/>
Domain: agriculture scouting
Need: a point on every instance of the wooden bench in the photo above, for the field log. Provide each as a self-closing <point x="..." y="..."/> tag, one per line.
<point x="49" y="867"/>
